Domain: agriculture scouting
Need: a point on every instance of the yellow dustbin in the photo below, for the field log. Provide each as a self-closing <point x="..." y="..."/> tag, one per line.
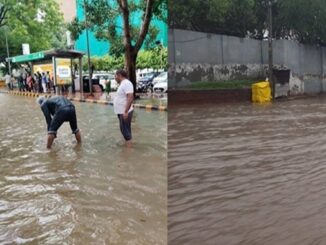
<point x="261" y="92"/>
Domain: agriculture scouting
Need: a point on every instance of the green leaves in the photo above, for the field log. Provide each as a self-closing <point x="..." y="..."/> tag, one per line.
<point x="24" y="26"/>
<point x="105" y="20"/>
<point x="198" y="15"/>
<point x="301" y="20"/>
<point x="105" y="63"/>
<point x="76" y="28"/>
<point x="155" y="58"/>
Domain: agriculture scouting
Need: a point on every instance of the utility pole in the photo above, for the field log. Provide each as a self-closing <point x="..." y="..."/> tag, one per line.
<point x="270" y="49"/>
<point x="8" y="55"/>
<point x="162" y="66"/>
<point x="160" y="46"/>
<point x="88" y="52"/>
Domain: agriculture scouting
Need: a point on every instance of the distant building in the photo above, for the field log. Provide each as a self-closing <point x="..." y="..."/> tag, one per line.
<point x="100" y="48"/>
<point x="68" y="8"/>
<point x="74" y="8"/>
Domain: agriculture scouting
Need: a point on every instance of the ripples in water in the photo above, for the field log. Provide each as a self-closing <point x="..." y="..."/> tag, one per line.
<point x="99" y="193"/>
<point x="248" y="174"/>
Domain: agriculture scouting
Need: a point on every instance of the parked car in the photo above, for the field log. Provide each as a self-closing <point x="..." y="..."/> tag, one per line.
<point x="144" y="87"/>
<point x="95" y="81"/>
<point x="162" y="77"/>
<point x="161" y="87"/>
<point x="141" y="75"/>
<point x="144" y="84"/>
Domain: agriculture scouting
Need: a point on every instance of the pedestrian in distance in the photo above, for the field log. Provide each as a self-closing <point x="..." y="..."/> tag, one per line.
<point x="21" y="83"/>
<point x="8" y="81"/>
<point x="35" y="83"/>
<point x="29" y="82"/>
<point x="39" y="82"/>
<point x="44" y="82"/>
<point x="58" y="110"/>
<point x="24" y="76"/>
<point x="49" y="81"/>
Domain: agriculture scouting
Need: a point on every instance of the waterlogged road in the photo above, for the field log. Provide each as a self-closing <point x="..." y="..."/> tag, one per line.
<point x="249" y="175"/>
<point x="100" y="193"/>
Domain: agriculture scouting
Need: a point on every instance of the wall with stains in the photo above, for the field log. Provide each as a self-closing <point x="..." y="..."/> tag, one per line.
<point x="196" y="57"/>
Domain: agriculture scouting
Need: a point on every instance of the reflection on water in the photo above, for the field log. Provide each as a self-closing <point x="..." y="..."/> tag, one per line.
<point x="99" y="193"/>
<point x="245" y="174"/>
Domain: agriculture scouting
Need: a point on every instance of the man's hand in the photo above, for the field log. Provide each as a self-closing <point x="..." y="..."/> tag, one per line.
<point x="125" y="116"/>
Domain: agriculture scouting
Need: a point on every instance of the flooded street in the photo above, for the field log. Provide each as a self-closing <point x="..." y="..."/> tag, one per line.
<point x="99" y="193"/>
<point x="248" y="174"/>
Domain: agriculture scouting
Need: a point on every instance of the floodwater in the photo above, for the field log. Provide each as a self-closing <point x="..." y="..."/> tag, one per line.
<point x="99" y="193"/>
<point x="248" y="174"/>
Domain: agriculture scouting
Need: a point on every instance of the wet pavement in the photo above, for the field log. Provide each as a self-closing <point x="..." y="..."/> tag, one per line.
<point x="248" y="174"/>
<point x="153" y="99"/>
<point x="99" y="193"/>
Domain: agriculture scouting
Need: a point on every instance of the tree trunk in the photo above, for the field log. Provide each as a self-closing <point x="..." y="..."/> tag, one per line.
<point x="131" y="51"/>
<point x="130" y="66"/>
<point x="145" y="26"/>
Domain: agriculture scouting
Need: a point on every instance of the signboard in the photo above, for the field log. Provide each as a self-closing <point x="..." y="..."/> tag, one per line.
<point x="63" y="71"/>
<point x="33" y="56"/>
<point x="26" y="48"/>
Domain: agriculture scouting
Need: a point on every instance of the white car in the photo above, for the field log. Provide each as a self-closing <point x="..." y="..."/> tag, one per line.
<point x="163" y="77"/>
<point x="141" y="75"/>
<point x="161" y="87"/>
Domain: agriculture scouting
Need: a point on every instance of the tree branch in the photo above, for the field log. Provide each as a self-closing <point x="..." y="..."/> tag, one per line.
<point x="127" y="33"/>
<point x="145" y="26"/>
<point x="3" y="13"/>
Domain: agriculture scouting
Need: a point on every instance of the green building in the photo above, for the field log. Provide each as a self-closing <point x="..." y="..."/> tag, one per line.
<point x="100" y="48"/>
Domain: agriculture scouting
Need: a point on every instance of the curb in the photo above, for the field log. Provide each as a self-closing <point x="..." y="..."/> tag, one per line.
<point x="4" y="92"/>
<point x="103" y="102"/>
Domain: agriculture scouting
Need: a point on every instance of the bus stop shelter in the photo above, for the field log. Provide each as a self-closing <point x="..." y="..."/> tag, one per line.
<point x="58" y="62"/>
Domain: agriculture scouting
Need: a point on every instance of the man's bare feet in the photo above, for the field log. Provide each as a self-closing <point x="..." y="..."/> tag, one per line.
<point x="78" y="137"/>
<point x="51" y="138"/>
<point x="129" y="143"/>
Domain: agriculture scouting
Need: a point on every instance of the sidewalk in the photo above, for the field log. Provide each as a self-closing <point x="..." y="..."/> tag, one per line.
<point x="145" y="102"/>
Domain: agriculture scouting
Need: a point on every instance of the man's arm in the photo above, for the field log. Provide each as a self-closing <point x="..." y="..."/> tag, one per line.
<point x="130" y="99"/>
<point x="47" y="114"/>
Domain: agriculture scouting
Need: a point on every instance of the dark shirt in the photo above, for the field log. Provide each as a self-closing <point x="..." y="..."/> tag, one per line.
<point x="53" y="105"/>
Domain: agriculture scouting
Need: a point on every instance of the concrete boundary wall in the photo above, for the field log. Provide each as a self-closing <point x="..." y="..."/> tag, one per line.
<point x="197" y="56"/>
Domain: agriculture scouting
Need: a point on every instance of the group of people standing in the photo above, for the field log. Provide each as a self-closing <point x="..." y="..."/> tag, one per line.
<point x="39" y="82"/>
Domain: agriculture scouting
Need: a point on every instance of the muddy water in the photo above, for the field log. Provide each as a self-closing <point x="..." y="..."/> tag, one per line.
<point x="249" y="175"/>
<point x="99" y="193"/>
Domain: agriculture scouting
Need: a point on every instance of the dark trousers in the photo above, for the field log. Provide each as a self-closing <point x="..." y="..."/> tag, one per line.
<point x="67" y="114"/>
<point x="40" y="89"/>
<point x="125" y="126"/>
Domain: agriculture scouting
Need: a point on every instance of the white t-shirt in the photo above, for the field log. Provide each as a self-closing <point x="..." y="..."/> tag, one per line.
<point x="120" y="100"/>
<point x="7" y="78"/>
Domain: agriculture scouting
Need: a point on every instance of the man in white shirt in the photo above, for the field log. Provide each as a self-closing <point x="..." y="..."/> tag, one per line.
<point x="8" y="81"/>
<point x="123" y="104"/>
